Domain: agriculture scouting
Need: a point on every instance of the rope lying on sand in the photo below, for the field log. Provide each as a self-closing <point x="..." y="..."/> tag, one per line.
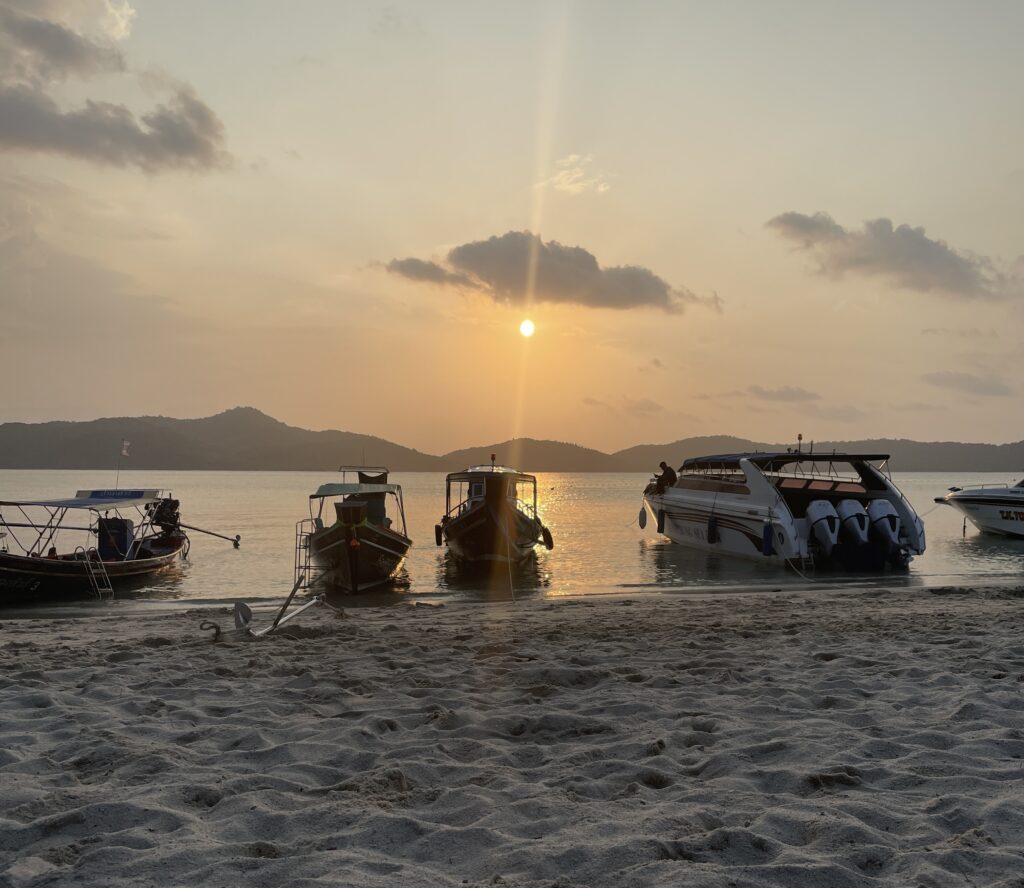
<point x="207" y="625"/>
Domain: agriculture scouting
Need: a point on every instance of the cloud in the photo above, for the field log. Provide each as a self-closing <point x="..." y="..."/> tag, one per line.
<point x="42" y="47"/>
<point x="839" y="413"/>
<point x="641" y="407"/>
<point x="788" y="393"/>
<point x="968" y="383"/>
<point x="55" y="301"/>
<point x="504" y="266"/>
<point x="37" y="48"/>
<point x="394" y="22"/>
<point x="572" y="176"/>
<point x="960" y="332"/>
<point x="430" y="272"/>
<point x="904" y="256"/>
<point x="184" y="133"/>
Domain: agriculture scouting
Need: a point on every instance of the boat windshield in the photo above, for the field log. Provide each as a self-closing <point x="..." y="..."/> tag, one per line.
<point x="467" y="490"/>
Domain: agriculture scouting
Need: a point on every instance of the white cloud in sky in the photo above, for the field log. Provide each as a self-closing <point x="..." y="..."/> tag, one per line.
<point x="574" y="176"/>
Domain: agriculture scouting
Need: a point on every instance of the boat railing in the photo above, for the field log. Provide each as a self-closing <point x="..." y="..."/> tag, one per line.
<point x="527" y="508"/>
<point x="983" y="485"/>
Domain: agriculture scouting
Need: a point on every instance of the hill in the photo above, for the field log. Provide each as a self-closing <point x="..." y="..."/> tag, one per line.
<point x="239" y="439"/>
<point x="246" y="439"/>
<point x="907" y="456"/>
<point x="532" y="455"/>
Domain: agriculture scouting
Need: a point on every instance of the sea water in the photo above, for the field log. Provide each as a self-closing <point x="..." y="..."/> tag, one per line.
<point x="599" y="545"/>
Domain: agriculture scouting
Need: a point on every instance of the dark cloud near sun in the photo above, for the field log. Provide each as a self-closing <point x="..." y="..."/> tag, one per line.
<point x="39" y="49"/>
<point x="428" y="272"/>
<point x="903" y="255"/>
<point x="502" y="267"/>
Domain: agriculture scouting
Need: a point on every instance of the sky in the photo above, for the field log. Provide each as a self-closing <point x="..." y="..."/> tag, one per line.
<point x="747" y="218"/>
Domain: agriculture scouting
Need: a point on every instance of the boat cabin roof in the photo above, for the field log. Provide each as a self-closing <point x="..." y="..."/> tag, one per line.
<point x="98" y="500"/>
<point x="474" y="473"/>
<point x="327" y="490"/>
<point x="769" y="461"/>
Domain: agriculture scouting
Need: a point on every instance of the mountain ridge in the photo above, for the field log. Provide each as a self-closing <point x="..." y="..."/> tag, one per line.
<point x="246" y="439"/>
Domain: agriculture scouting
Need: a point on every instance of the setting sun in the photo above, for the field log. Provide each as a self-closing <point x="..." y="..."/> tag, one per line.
<point x="527" y="328"/>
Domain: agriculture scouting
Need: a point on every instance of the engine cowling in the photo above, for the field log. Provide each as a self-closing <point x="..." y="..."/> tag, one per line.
<point x="853" y="520"/>
<point x="823" y="522"/>
<point x="884" y="523"/>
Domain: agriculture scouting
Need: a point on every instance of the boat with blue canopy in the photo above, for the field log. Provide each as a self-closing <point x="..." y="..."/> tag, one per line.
<point x="86" y="544"/>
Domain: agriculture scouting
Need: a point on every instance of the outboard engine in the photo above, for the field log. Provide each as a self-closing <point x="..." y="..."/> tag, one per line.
<point x="823" y="522"/>
<point x="884" y="523"/>
<point x="165" y="514"/>
<point x="853" y="520"/>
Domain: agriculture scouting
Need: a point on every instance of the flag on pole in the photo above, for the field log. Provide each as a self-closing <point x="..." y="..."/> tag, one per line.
<point x="124" y="447"/>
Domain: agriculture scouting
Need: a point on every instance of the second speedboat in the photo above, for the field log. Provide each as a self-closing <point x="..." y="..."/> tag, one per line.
<point x="991" y="509"/>
<point x="491" y="515"/>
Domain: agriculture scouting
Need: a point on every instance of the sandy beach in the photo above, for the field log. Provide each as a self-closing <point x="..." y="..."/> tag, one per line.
<point x="841" y="738"/>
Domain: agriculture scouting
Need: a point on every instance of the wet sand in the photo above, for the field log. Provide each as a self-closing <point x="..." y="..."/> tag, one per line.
<point x="840" y="738"/>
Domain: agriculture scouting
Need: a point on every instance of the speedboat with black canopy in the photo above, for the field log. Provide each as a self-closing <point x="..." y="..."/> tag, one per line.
<point x="363" y="543"/>
<point x="810" y="509"/>
<point x="87" y="544"/>
<point x="491" y="515"/>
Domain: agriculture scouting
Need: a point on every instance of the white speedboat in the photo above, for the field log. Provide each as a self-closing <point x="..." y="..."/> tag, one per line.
<point x="991" y="509"/>
<point x="814" y="509"/>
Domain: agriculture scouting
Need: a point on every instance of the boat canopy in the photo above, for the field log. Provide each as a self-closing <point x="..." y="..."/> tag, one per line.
<point x="97" y="500"/>
<point x="326" y="490"/>
<point x="777" y="460"/>
<point x="473" y="473"/>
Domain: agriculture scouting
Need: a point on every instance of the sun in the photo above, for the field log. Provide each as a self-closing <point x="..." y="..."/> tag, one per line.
<point x="527" y="328"/>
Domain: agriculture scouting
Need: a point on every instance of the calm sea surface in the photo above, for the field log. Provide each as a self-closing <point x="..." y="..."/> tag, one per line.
<point x="599" y="547"/>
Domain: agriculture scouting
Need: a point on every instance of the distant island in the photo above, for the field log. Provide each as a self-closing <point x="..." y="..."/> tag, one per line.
<point x="245" y="439"/>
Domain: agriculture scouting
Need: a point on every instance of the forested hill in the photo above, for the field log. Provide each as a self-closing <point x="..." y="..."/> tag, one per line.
<point x="246" y="439"/>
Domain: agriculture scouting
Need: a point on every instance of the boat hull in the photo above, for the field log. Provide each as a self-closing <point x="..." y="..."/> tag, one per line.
<point x="353" y="558"/>
<point x="733" y="534"/>
<point x="741" y="533"/>
<point x="1000" y="514"/>
<point x="482" y="533"/>
<point x="24" y="579"/>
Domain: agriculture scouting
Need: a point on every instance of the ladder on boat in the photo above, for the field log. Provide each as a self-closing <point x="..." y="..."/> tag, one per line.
<point x="96" y="571"/>
<point x="304" y="573"/>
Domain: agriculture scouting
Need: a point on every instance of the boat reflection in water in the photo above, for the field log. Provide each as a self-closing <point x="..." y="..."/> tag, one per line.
<point x="493" y="580"/>
<point x="670" y="566"/>
<point x="997" y="553"/>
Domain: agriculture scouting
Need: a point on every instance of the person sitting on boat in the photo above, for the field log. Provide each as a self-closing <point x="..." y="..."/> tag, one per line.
<point x="52" y="554"/>
<point x="667" y="478"/>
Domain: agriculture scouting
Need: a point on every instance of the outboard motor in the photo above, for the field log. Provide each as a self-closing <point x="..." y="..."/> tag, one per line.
<point x="823" y="523"/>
<point x="165" y="514"/>
<point x="853" y="520"/>
<point x="884" y="523"/>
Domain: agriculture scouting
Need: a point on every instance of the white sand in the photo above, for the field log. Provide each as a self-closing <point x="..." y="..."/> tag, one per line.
<point x="846" y="738"/>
